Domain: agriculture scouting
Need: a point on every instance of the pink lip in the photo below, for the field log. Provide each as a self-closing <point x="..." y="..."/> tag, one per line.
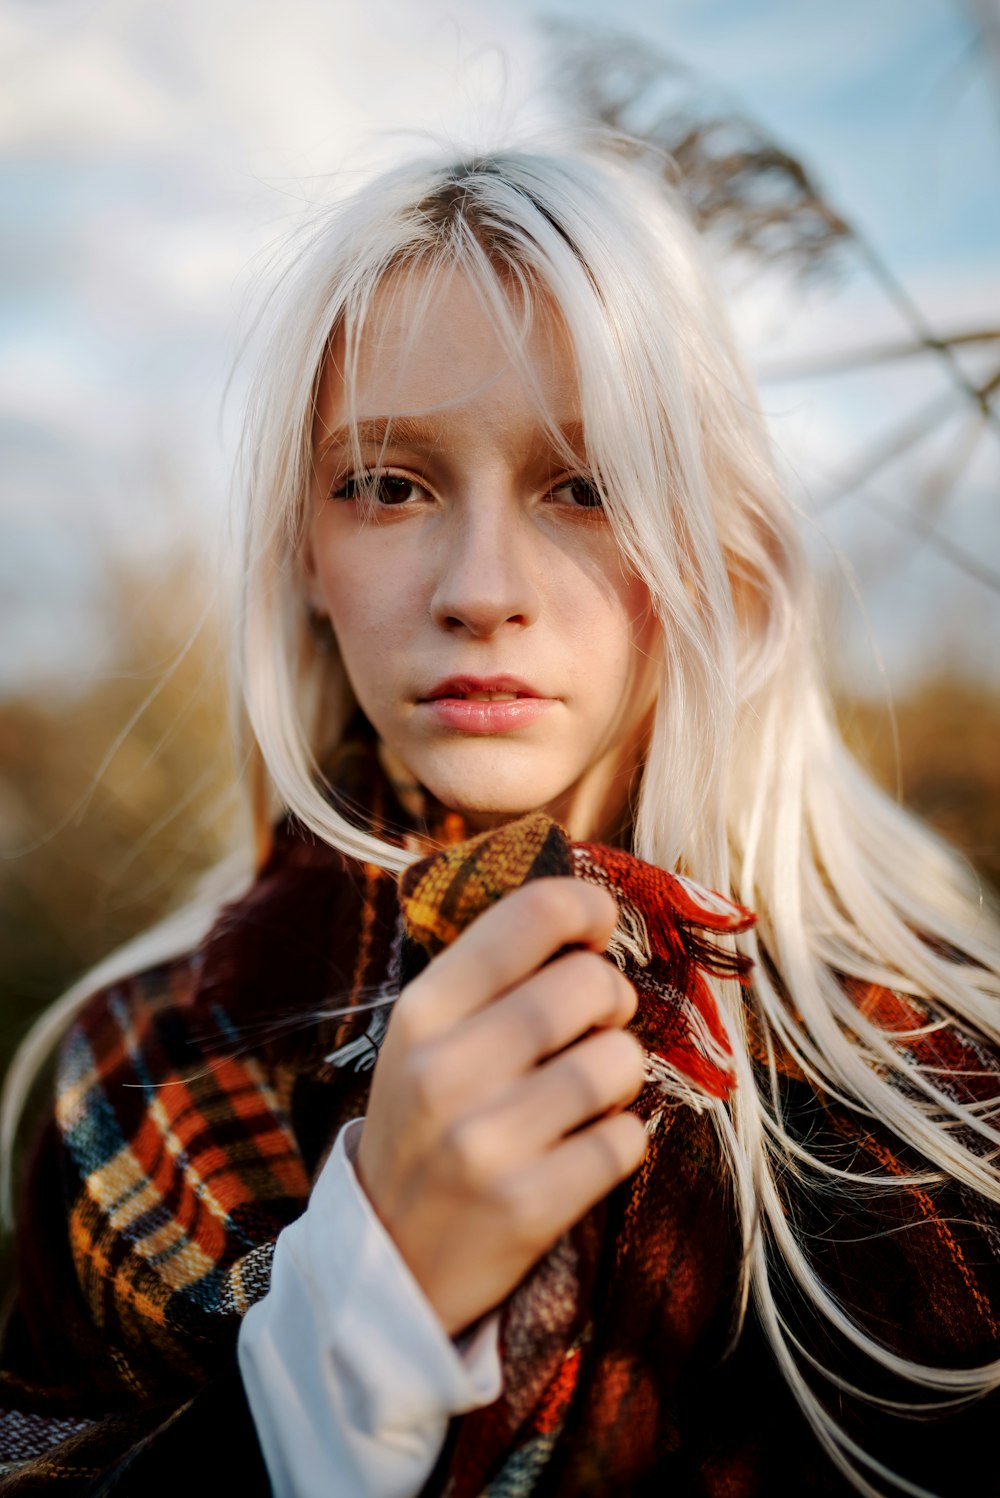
<point x="459" y="686"/>
<point x="451" y="708"/>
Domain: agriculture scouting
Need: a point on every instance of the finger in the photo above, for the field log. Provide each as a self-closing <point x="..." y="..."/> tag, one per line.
<point x="559" y="1004"/>
<point x="505" y="945"/>
<point x="601" y="1072"/>
<point x="563" y="1184"/>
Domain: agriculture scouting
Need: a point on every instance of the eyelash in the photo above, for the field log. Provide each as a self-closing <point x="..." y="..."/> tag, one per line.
<point x="592" y="500"/>
<point x="367" y="486"/>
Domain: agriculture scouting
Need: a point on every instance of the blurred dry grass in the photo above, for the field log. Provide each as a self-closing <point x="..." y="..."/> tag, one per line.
<point x="948" y="765"/>
<point x="98" y="838"/>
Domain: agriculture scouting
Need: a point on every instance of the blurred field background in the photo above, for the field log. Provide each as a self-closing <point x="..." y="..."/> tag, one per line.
<point x="157" y="155"/>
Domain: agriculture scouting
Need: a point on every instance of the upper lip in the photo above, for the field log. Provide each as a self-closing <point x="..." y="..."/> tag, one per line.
<point x="460" y="686"/>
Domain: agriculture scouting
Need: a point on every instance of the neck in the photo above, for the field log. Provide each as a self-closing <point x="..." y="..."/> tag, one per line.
<point x="595" y="809"/>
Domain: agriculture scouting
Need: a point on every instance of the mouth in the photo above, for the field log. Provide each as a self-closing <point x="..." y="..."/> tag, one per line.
<point x="484" y="706"/>
<point x="479" y="689"/>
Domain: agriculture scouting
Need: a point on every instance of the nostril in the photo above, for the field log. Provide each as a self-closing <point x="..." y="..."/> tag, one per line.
<point x="482" y="621"/>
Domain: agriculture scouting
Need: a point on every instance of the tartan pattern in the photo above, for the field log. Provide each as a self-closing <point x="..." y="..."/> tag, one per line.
<point x="182" y="1182"/>
<point x="443" y="893"/>
<point x="194" y="1105"/>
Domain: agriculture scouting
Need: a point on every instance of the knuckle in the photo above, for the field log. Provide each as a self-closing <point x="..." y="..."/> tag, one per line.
<point x="406" y="1016"/>
<point x="628" y="1141"/>
<point x="587" y="1082"/>
<point x="628" y="999"/>
<point x="567" y="904"/>
<point x="619" y="1066"/>
<point x="551" y="902"/>
<point x="588" y="980"/>
<point x="626" y="1053"/>
<point x="539" y="1021"/>
<point x="619" y="1144"/>
<point x="583" y="969"/>
<point x="607" y="989"/>
<point x="620" y="997"/>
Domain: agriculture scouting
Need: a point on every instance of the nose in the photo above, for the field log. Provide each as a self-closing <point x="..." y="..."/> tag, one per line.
<point x="486" y="577"/>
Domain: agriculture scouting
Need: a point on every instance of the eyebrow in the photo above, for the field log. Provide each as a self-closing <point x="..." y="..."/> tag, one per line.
<point x="410" y="431"/>
<point x="374" y="431"/>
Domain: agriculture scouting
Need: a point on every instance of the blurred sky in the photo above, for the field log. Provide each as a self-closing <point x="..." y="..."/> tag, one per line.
<point x="152" y="154"/>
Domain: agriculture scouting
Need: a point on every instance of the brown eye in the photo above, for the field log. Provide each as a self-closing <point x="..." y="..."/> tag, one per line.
<point x="580" y="492"/>
<point x="389" y="490"/>
<point x="376" y="488"/>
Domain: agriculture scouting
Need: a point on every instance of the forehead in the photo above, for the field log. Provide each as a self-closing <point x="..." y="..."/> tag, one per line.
<point x="438" y="342"/>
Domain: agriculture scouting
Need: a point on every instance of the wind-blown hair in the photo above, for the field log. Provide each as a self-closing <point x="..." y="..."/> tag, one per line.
<point x="746" y="783"/>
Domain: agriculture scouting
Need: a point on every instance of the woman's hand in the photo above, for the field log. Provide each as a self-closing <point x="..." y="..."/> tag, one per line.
<point x="495" y="1118"/>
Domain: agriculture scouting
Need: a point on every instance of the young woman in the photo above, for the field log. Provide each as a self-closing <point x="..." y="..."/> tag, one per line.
<point x="640" y="1135"/>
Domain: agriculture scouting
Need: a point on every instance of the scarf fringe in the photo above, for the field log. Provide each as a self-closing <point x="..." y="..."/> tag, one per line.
<point x="662" y="936"/>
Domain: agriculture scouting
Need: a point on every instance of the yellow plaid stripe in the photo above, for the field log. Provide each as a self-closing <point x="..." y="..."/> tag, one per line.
<point x="450" y="890"/>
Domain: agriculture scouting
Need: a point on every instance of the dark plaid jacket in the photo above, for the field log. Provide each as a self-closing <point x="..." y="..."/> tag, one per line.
<point x="195" y="1103"/>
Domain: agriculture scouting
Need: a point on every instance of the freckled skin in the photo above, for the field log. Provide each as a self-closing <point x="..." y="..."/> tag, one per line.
<point x="480" y="556"/>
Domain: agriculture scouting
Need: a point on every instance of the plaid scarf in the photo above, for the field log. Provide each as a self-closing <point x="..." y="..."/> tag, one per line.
<point x="196" y="1102"/>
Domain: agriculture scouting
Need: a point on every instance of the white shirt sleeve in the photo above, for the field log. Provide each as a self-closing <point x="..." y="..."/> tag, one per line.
<point x="350" y="1377"/>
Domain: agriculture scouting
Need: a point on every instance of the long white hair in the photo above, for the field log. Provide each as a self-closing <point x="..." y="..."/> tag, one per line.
<point x="746" y="783"/>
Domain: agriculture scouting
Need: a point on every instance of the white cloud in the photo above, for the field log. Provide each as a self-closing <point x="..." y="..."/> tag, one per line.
<point x="299" y="88"/>
<point x="74" y="91"/>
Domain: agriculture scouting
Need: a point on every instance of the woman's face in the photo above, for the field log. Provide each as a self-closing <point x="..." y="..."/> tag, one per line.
<point x="488" y="626"/>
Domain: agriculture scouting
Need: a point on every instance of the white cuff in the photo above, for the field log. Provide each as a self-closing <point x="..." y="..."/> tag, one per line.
<point x="349" y="1374"/>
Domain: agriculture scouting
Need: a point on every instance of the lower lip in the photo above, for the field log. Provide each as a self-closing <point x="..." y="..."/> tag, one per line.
<point x="487" y="717"/>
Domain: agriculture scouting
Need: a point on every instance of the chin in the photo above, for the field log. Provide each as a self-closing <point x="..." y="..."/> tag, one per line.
<point x="487" y="805"/>
<point x="492" y="798"/>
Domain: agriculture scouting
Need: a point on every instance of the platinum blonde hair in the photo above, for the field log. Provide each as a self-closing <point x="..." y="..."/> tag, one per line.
<point x="746" y="782"/>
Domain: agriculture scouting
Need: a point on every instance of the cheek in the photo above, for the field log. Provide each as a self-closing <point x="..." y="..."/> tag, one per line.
<point x="643" y="625"/>
<point x="637" y="632"/>
<point x="622" y="627"/>
<point x="366" y="597"/>
<point x="617" y="655"/>
<point x="357" y="613"/>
